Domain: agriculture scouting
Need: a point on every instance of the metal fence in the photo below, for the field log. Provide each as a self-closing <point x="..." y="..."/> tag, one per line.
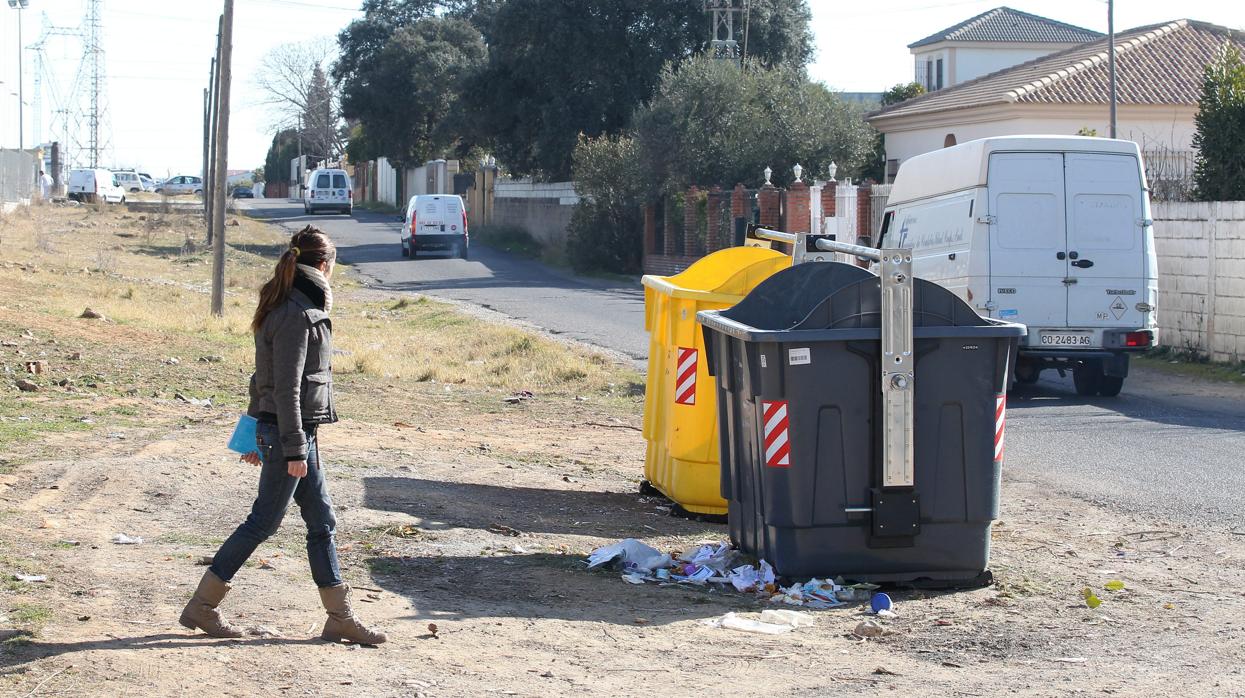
<point x="18" y="170"/>
<point x="1169" y="173"/>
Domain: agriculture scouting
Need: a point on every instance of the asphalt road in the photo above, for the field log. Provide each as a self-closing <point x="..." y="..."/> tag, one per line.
<point x="602" y="313"/>
<point x="1167" y="446"/>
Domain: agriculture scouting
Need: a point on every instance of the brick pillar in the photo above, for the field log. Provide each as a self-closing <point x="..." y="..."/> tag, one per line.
<point x="799" y="208"/>
<point x="769" y="200"/>
<point x="689" y="221"/>
<point x="864" y="218"/>
<point x="650" y="229"/>
<point x="713" y="228"/>
<point x="828" y="192"/>
<point x="739" y="202"/>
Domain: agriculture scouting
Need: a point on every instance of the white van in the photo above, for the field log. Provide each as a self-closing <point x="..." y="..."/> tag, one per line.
<point x="328" y="190"/>
<point x="89" y="186"/>
<point x="128" y="180"/>
<point x="435" y="222"/>
<point x="1050" y="231"/>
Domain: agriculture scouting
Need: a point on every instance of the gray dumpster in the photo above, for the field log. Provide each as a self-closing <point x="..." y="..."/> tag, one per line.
<point x="821" y="472"/>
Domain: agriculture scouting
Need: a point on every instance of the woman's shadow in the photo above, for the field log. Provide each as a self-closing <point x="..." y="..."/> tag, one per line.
<point x="20" y="646"/>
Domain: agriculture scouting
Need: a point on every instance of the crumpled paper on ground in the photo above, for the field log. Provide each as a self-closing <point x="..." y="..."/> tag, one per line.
<point x="770" y="623"/>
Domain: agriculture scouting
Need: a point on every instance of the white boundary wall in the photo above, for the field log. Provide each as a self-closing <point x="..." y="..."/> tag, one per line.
<point x="1201" y="259"/>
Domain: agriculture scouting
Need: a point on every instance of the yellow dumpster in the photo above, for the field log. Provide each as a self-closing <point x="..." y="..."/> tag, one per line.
<point x="680" y="409"/>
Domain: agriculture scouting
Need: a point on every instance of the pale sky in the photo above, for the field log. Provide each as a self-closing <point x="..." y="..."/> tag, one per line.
<point x="157" y="55"/>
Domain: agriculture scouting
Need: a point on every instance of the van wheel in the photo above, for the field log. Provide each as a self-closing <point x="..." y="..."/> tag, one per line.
<point x="1111" y="386"/>
<point x="462" y="252"/>
<point x="1088" y="378"/>
<point x="405" y="252"/>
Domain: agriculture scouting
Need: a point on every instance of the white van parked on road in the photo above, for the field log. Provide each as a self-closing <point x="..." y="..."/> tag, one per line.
<point x="328" y="190"/>
<point x="435" y="222"/>
<point x="89" y="186"/>
<point x="1050" y="231"/>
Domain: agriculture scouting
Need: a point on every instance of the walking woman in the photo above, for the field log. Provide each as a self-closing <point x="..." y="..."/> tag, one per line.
<point x="291" y="395"/>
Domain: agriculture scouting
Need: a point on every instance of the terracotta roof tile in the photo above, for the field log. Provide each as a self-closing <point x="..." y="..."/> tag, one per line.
<point x="1158" y="64"/>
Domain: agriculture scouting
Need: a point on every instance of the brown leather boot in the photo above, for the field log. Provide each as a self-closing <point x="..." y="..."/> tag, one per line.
<point x="201" y="612"/>
<point x="342" y="623"/>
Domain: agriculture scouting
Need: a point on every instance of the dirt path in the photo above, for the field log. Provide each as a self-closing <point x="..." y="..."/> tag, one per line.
<point x="530" y="620"/>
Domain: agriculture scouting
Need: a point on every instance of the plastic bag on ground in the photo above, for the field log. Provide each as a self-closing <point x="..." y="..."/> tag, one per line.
<point x="771" y="622"/>
<point x="636" y="556"/>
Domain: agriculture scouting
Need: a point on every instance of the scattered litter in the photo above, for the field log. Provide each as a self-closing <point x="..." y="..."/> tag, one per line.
<point x="881" y="602"/>
<point x="211" y="359"/>
<point x="123" y="539"/>
<point x="36" y="367"/>
<point x="717" y="563"/>
<point x="1069" y="660"/>
<point x="91" y="315"/>
<point x="505" y="530"/>
<point x="26" y="386"/>
<point x="870" y="629"/>
<point x="1091" y="599"/>
<point x="432" y="630"/>
<point x="770" y="623"/>
<point x="84" y="618"/>
<point x="1114" y="585"/>
<point x="205" y="560"/>
<point x="192" y="401"/>
<point x="31" y="578"/>
<point x="69" y="543"/>
<point x="261" y="631"/>
<point x="943" y="621"/>
<point x="171" y="361"/>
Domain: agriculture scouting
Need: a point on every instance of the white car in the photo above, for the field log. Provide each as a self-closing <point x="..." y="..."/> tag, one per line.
<point x="328" y="190"/>
<point x="1053" y="232"/>
<point x="435" y="222"/>
<point x="89" y="186"/>
<point x="181" y="184"/>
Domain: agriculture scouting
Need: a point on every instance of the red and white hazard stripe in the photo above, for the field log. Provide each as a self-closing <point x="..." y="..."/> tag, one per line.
<point x="685" y="377"/>
<point x="1000" y="424"/>
<point x="777" y="439"/>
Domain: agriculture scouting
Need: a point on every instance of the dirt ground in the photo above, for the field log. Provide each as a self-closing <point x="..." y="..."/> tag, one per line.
<point x="461" y="510"/>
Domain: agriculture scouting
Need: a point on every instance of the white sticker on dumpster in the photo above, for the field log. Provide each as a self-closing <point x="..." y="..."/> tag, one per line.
<point x="797" y="357"/>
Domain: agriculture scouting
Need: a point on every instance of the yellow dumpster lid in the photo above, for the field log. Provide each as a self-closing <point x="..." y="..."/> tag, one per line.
<point x="723" y="277"/>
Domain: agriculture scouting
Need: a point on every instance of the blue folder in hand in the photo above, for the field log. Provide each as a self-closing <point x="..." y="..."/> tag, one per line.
<point x="243" y="439"/>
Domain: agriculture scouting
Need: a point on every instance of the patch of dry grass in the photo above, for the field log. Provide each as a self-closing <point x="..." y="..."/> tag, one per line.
<point x="150" y="276"/>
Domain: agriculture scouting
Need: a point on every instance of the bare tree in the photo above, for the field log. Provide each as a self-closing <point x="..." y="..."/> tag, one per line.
<point x="292" y="79"/>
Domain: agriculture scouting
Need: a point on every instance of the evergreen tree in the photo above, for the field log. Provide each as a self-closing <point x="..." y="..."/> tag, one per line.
<point x="1219" y="174"/>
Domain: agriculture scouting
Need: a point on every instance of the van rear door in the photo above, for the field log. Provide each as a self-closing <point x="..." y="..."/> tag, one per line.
<point x="1026" y="193"/>
<point x="1105" y="240"/>
<point x="432" y="215"/>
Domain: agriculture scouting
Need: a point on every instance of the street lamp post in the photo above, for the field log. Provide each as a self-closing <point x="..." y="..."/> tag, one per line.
<point x="20" y="5"/>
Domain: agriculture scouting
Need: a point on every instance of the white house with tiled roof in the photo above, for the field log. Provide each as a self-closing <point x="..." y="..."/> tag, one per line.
<point x="989" y="42"/>
<point x="1159" y="79"/>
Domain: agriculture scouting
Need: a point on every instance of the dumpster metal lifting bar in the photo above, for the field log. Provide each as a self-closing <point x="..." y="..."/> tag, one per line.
<point x="898" y="398"/>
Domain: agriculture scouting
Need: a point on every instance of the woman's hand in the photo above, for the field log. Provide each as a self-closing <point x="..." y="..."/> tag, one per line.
<point x="297" y="468"/>
<point x="252" y="458"/>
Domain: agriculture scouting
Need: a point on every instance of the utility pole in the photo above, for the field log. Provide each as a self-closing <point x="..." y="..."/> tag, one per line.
<point x="222" y="151"/>
<point x="1111" y="59"/>
<point x="211" y="174"/>
<point x="20" y="5"/>
<point x="207" y="141"/>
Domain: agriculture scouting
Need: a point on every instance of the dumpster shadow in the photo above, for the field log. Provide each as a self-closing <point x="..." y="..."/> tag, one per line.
<point x="444" y="505"/>
<point x="542" y="586"/>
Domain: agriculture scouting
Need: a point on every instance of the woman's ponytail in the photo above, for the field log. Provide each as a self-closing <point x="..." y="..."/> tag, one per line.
<point x="309" y="246"/>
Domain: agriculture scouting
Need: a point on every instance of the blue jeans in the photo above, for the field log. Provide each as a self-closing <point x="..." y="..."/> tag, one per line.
<point x="276" y="488"/>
